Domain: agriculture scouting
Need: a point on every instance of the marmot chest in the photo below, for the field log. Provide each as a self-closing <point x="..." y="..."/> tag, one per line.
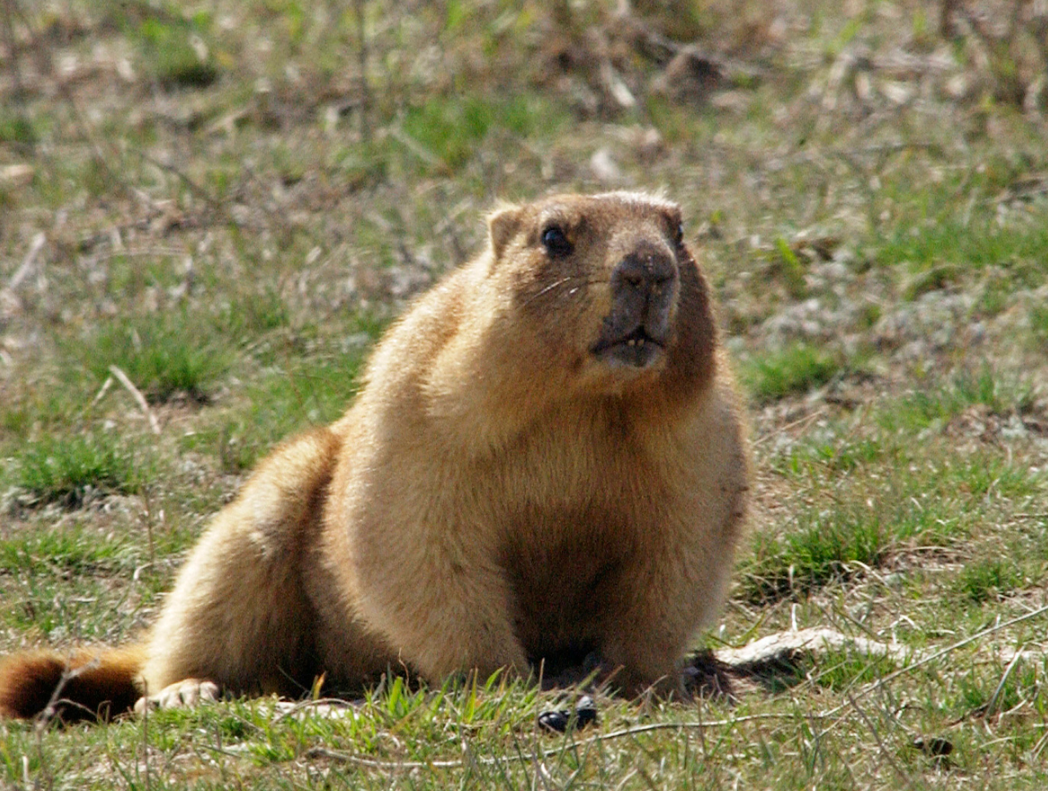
<point x="574" y="532"/>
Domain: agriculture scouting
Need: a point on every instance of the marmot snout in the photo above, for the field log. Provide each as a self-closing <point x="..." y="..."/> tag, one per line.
<point x="643" y="296"/>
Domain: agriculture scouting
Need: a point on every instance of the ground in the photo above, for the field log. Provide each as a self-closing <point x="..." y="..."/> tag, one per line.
<point x="209" y="211"/>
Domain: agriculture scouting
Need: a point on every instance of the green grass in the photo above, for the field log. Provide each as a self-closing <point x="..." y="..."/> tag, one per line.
<point x="174" y="49"/>
<point x="283" y="402"/>
<point x="67" y="471"/>
<point x="945" y="246"/>
<point x="813" y="554"/>
<point x="450" y="130"/>
<point x="1039" y="323"/>
<point x="932" y="406"/>
<point x="989" y="578"/>
<point x="253" y="315"/>
<point x="38" y="568"/>
<point x="74" y="551"/>
<point x="844" y="670"/>
<point x="167" y="355"/>
<point x="796" y="369"/>
<point x="15" y="128"/>
<point x="869" y="500"/>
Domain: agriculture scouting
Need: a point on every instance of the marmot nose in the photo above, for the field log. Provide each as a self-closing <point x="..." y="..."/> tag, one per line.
<point x="644" y="271"/>
<point x="643" y="290"/>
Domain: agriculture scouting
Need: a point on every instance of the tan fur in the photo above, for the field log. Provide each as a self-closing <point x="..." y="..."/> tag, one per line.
<point x="498" y="494"/>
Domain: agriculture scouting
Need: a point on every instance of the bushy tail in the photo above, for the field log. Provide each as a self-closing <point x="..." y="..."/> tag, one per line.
<point x="89" y="685"/>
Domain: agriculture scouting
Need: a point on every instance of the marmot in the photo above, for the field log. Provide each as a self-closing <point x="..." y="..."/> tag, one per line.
<point x="547" y="462"/>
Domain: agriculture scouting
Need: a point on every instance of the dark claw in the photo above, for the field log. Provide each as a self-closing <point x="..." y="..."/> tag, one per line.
<point x="937" y="747"/>
<point x="586" y="711"/>
<point x="559" y="720"/>
<point x="555" y="721"/>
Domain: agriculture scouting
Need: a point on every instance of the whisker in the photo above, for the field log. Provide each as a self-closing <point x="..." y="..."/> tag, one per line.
<point x="579" y="282"/>
<point x="548" y="288"/>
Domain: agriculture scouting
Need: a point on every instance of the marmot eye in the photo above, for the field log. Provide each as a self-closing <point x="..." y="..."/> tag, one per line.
<point x="678" y="235"/>
<point x="555" y="241"/>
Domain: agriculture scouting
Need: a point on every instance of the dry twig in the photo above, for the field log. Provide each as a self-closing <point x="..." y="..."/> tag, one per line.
<point x="137" y="395"/>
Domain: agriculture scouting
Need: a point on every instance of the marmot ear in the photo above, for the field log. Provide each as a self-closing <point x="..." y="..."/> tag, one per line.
<point x="503" y="223"/>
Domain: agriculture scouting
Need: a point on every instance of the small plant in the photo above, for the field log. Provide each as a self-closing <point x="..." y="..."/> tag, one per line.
<point x="67" y="471"/>
<point x="795" y="369"/>
<point x="284" y="402"/>
<point x="967" y="388"/>
<point x="16" y="129"/>
<point x="812" y="556"/>
<point x="999" y="691"/>
<point x="836" y="454"/>
<point x="844" y="669"/>
<point x="1039" y="323"/>
<point x="451" y="128"/>
<point x="254" y="315"/>
<point x="72" y="550"/>
<point x="175" y="52"/>
<point x="943" y="250"/>
<point x="988" y="579"/>
<point x="791" y="267"/>
<point x="166" y="356"/>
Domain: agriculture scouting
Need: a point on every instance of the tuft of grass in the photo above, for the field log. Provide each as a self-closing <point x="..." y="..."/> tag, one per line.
<point x="69" y="550"/>
<point x="986" y="579"/>
<point x="255" y="315"/>
<point x="848" y="455"/>
<point x="451" y="129"/>
<point x="792" y="268"/>
<point x="795" y="369"/>
<point x="999" y="691"/>
<point x="936" y="277"/>
<point x="69" y="470"/>
<point x="290" y="396"/>
<point x="938" y="252"/>
<point x="16" y="128"/>
<point x="167" y="356"/>
<point x="819" y="551"/>
<point x="844" y="669"/>
<point x="1039" y="323"/>
<point x="865" y="501"/>
<point x="933" y="405"/>
<point x="175" y="52"/>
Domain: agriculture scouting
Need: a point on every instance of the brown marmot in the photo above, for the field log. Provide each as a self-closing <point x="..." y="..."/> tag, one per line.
<point x="547" y="461"/>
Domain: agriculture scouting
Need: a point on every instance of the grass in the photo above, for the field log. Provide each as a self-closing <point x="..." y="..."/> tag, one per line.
<point x="449" y="131"/>
<point x="283" y="401"/>
<point x="988" y="578"/>
<point x="797" y="369"/>
<point x="870" y="501"/>
<point x="967" y="389"/>
<point x="165" y="356"/>
<point x="174" y="49"/>
<point x="233" y="211"/>
<point x="70" y="471"/>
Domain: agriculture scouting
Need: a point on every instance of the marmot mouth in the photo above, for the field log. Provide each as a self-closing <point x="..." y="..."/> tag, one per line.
<point x="637" y="349"/>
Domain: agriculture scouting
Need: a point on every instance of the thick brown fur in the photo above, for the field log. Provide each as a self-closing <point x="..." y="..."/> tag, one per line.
<point x="86" y="685"/>
<point x="518" y="481"/>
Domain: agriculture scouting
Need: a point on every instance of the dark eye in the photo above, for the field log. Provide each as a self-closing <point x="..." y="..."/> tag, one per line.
<point x="555" y="241"/>
<point x="678" y="235"/>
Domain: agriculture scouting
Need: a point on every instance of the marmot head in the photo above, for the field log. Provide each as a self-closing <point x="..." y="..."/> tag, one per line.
<point x="606" y="286"/>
